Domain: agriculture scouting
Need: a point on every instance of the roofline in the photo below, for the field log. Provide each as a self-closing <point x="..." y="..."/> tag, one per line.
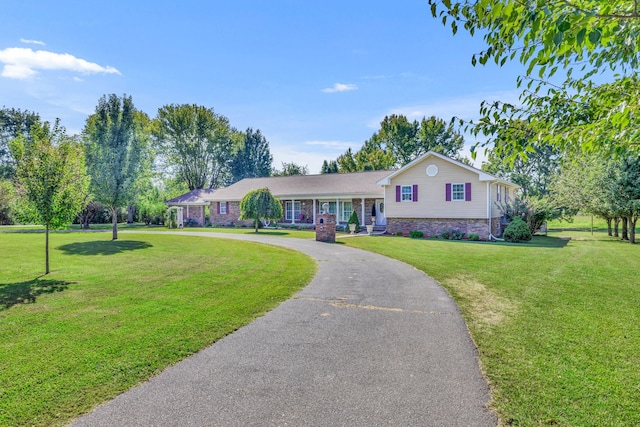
<point x="327" y="196"/>
<point x="483" y="176"/>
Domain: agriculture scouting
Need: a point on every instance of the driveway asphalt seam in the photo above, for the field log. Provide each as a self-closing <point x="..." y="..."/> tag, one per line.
<point x="370" y="341"/>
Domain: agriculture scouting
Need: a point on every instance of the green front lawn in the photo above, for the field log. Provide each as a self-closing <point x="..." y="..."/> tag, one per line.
<point x="556" y="322"/>
<point x="114" y="313"/>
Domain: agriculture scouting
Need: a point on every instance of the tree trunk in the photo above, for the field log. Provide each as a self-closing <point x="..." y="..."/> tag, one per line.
<point x="616" y="226"/>
<point x="609" y="229"/>
<point x="131" y="212"/>
<point x="46" y="248"/>
<point x="114" y="222"/>
<point x="632" y="229"/>
<point x="625" y="235"/>
<point x="257" y="224"/>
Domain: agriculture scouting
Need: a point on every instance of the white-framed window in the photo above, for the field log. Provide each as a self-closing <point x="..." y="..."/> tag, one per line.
<point x="345" y="211"/>
<point x="223" y="208"/>
<point x="292" y="210"/>
<point x="506" y="194"/>
<point x="406" y="193"/>
<point x="342" y="213"/>
<point x="498" y="194"/>
<point x="457" y="192"/>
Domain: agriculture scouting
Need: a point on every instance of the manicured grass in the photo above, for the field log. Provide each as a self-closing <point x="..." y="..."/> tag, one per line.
<point x="556" y="322"/>
<point x="114" y="313"/>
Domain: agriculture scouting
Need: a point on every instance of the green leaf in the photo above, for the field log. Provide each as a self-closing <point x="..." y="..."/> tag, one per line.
<point x="557" y="39"/>
<point x="594" y="36"/>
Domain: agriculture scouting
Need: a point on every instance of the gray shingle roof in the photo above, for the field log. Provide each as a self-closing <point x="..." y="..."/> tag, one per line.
<point x="360" y="184"/>
<point x="199" y="196"/>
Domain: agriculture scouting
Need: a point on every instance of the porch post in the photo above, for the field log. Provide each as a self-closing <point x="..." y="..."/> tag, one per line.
<point x="314" y="211"/>
<point x="293" y="211"/>
<point x="337" y="210"/>
<point x="362" y="216"/>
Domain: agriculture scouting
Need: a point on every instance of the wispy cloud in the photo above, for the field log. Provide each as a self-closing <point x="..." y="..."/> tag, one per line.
<point x="22" y="63"/>
<point x="331" y="145"/>
<point x="27" y="41"/>
<point x="340" y="87"/>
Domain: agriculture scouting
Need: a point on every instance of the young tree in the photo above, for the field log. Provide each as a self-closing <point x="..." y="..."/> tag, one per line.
<point x="114" y="150"/>
<point x="260" y="204"/>
<point x="563" y="46"/>
<point x="13" y="123"/>
<point x="253" y="158"/>
<point x="52" y="178"/>
<point x="196" y="143"/>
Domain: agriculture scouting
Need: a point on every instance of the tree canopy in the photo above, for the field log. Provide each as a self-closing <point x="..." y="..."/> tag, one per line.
<point x="290" y="169"/>
<point x="51" y="178"/>
<point x="196" y="144"/>
<point x="253" y="158"/>
<point x="580" y="87"/>
<point x="260" y="204"/>
<point x="13" y="123"/>
<point x="399" y="142"/>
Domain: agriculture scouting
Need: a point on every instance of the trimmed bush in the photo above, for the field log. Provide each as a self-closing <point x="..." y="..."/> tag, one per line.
<point x="416" y="234"/>
<point x="517" y="231"/>
<point x="474" y="237"/>
<point x="353" y="219"/>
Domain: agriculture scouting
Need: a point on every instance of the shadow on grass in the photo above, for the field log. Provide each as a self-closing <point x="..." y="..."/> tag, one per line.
<point x="103" y="247"/>
<point x="541" y="242"/>
<point x="27" y="292"/>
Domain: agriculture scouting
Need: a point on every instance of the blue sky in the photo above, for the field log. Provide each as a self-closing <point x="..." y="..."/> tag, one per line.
<point x="314" y="77"/>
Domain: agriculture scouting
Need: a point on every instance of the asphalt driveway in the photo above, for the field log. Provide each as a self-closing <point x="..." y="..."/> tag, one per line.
<point x="369" y="342"/>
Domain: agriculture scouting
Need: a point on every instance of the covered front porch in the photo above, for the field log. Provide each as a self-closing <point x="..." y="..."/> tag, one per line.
<point x="303" y="211"/>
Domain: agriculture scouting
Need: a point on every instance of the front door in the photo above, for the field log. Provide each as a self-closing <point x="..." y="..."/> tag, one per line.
<point x="381" y="219"/>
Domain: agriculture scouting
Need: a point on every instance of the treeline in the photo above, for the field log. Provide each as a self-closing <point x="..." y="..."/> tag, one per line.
<point x="135" y="162"/>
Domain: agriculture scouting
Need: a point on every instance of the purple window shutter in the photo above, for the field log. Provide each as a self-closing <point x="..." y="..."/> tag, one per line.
<point x="467" y="192"/>
<point x="227" y="207"/>
<point x="415" y="192"/>
<point x="218" y="208"/>
<point x="448" y="192"/>
<point x="397" y="193"/>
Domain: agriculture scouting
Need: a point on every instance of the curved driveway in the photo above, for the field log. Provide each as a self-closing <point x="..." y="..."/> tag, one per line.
<point x="370" y="341"/>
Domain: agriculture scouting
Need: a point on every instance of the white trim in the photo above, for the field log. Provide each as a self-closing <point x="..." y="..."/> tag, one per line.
<point x="482" y="176"/>
<point x="464" y="192"/>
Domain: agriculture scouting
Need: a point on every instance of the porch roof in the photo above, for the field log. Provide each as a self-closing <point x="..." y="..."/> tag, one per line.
<point x="323" y="186"/>
<point x="194" y="197"/>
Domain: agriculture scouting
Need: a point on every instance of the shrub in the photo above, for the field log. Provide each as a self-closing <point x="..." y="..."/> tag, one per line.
<point x="190" y="222"/>
<point x="452" y="234"/>
<point x="353" y="219"/>
<point x="416" y="234"/>
<point x="534" y="212"/>
<point x="474" y="236"/>
<point x="399" y="233"/>
<point x="517" y="231"/>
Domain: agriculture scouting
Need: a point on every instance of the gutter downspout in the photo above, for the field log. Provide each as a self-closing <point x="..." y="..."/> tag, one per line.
<point x="491" y="236"/>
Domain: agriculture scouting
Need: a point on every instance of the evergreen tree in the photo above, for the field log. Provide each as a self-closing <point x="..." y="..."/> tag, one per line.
<point x="253" y="158"/>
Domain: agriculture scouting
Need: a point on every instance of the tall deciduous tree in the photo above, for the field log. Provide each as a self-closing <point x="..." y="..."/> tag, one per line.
<point x="114" y="150"/>
<point x="196" y="143"/>
<point x="581" y="86"/>
<point x="52" y="178"/>
<point x="329" y="167"/>
<point x="260" y="204"/>
<point x="399" y="142"/>
<point x="253" y="158"/>
<point x="13" y="123"/>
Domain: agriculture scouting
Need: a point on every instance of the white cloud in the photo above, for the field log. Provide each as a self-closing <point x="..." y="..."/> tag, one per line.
<point x="331" y="145"/>
<point x="340" y="87"/>
<point x="22" y="63"/>
<point x="32" y="42"/>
